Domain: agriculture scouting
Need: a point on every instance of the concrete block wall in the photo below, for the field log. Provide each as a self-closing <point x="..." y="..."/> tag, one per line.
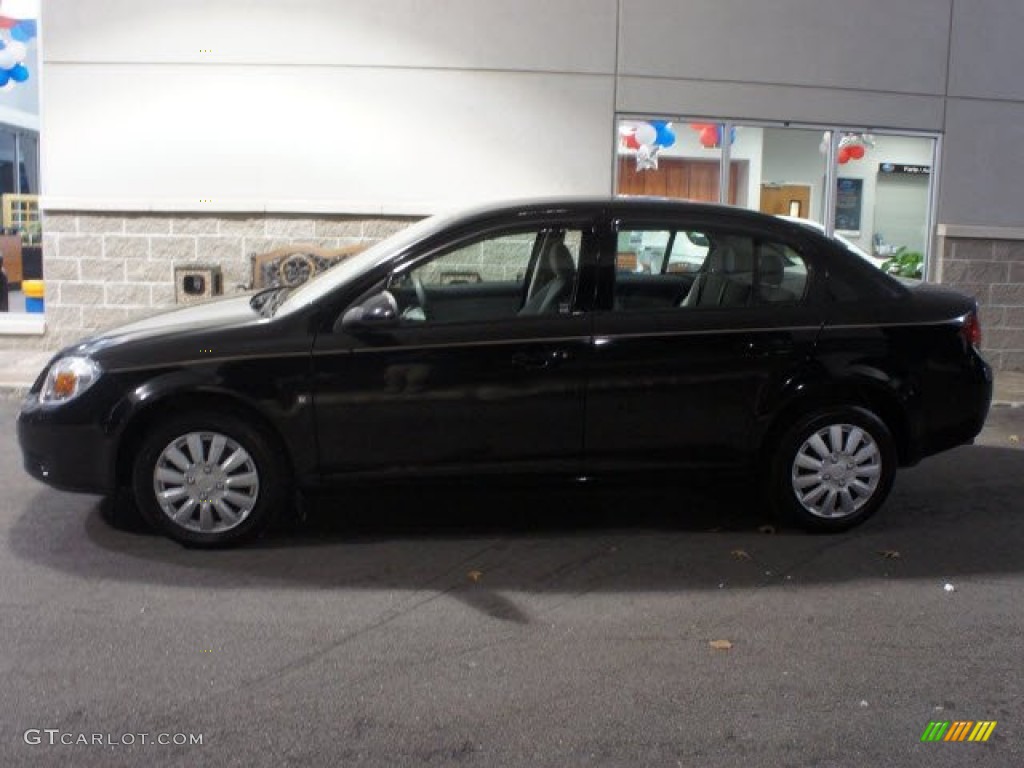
<point x="103" y="270"/>
<point x="993" y="272"/>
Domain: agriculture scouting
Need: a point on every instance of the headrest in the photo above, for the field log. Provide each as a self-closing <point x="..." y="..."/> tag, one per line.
<point x="730" y="255"/>
<point x="560" y="259"/>
<point x="773" y="267"/>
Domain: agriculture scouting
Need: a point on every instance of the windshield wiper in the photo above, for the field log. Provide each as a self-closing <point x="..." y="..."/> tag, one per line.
<point x="268" y="300"/>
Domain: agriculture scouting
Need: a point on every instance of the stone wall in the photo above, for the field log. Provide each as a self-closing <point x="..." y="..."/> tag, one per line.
<point x="103" y="270"/>
<point x="993" y="272"/>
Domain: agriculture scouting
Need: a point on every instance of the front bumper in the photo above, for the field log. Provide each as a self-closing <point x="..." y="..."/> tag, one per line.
<point x="64" y="452"/>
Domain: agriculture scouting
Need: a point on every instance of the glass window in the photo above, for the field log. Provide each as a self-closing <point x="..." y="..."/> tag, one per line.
<point x="673" y="159"/>
<point x="872" y="187"/>
<point x="665" y="268"/>
<point x="506" y="275"/>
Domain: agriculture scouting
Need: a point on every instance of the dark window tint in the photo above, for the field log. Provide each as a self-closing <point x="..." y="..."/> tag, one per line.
<point x="504" y="275"/>
<point x="663" y="267"/>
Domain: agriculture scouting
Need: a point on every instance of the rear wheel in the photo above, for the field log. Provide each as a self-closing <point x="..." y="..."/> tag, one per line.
<point x="208" y="480"/>
<point x="833" y="469"/>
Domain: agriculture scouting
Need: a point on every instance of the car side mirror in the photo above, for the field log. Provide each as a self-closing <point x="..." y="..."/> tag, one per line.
<point x="378" y="311"/>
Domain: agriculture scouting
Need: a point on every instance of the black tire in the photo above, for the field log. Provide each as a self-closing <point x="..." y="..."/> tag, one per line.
<point x="237" y="501"/>
<point x="849" y="484"/>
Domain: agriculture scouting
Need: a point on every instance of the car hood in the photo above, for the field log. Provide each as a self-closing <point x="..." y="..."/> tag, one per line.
<point x="197" y="319"/>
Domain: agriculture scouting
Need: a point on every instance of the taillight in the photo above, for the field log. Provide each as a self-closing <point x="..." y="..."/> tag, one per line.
<point x="971" y="330"/>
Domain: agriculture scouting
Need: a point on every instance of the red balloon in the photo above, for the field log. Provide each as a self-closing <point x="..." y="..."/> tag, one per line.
<point x="6" y="22"/>
<point x="844" y="156"/>
<point x="630" y="142"/>
<point x="856" y="151"/>
<point x="709" y="136"/>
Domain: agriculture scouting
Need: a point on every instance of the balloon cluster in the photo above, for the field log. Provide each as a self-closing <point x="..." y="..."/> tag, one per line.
<point x="647" y="138"/>
<point x="710" y="134"/>
<point x="852" y="146"/>
<point x="15" y="34"/>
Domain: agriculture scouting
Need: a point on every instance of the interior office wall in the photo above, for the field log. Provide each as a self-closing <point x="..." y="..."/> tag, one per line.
<point x="318" y="105"/>
<point x="746" y="148"/>
<point x="790" y="157"/>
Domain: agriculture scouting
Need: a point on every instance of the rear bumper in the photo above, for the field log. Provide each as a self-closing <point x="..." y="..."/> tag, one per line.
<point x="63" y="454"/>
<point x="967" y="398"/>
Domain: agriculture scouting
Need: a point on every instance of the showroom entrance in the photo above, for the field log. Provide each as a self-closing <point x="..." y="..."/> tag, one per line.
<point x="875" y="188"/>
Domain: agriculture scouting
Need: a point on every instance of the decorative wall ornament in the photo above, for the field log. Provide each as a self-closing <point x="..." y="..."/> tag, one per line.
<point x="294" y="264"/>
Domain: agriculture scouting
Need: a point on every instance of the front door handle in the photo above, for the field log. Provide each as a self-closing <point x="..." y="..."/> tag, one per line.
<point x="536" y="361"/>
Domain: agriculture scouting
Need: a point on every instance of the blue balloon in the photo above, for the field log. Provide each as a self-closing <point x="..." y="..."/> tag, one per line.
<point x="666" y="137"/>
<point x="19" y="73"/>
<point x="24" y="31"/>
<point x="4" y="78"/>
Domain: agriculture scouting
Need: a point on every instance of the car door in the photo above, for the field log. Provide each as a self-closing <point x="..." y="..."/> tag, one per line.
<point x="686" y="364"/>
<point x="484" y="368"/>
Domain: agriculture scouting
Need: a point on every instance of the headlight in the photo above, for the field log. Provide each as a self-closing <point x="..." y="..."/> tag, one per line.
<point x="67" y="379"/>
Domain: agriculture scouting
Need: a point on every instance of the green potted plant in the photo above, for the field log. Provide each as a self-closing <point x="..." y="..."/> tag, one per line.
<point x="904" y="263"/>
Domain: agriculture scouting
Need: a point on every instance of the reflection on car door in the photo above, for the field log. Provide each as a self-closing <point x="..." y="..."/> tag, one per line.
<point x="503" y="391"/>
<point x="687" y="384"/>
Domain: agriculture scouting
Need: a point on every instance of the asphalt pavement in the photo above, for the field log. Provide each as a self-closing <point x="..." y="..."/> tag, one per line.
<point x="609" y="625"/>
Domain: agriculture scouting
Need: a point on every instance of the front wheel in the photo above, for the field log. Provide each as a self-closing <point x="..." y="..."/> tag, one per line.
<point x="208" y="480"/>
<point x="833" y="469"/>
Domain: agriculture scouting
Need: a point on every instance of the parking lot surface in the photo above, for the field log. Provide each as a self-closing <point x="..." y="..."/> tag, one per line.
<point x="623" y="624"/>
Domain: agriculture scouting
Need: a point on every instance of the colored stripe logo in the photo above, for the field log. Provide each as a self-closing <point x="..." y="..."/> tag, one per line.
<point x="958" y="730"/>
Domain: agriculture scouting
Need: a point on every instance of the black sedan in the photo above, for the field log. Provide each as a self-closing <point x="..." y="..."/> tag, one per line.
<point x="570" y="337"/>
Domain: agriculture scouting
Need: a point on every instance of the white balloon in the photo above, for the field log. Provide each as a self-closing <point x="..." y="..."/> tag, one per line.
<point x="17" y="49"/>
<point x="7" y="59"/>
<point x="8" y="86"/>
<point x="646" y="133"/>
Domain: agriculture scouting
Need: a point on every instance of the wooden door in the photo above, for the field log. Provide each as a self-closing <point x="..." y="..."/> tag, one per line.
<point x="786" y="199"/>
<point x="677" y="177"/>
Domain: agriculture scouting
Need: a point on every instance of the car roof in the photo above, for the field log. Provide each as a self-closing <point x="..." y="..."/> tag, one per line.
<point x="619" y="205"/>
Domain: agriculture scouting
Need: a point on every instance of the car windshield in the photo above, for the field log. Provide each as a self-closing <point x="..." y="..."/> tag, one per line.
<point x="292" y="300"/>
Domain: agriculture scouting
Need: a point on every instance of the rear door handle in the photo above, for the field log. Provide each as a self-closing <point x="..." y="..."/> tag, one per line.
<point x="766" y="347"/>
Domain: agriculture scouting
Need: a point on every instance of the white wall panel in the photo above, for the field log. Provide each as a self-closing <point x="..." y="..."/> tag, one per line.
<point x="552" y="35"/>
<point x="749" y="101"/>
<point x="982" y="164"/>
<point x="314" y="138"/>
<point x="884" y="45"/>
<point x="987" y="56"/>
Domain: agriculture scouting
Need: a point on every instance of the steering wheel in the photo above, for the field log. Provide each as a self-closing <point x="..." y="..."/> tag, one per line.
<point x="421" y="293"/>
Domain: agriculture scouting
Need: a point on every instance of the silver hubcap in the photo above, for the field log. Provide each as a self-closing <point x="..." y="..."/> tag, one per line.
<point x="206" y="482"/>
<point x="836" y="471"/>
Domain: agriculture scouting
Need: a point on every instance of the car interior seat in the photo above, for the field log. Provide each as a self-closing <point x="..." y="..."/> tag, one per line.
<point x="773" y="272"/>
<point x="553" y="284"/>
<point x="725" y="278"/>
